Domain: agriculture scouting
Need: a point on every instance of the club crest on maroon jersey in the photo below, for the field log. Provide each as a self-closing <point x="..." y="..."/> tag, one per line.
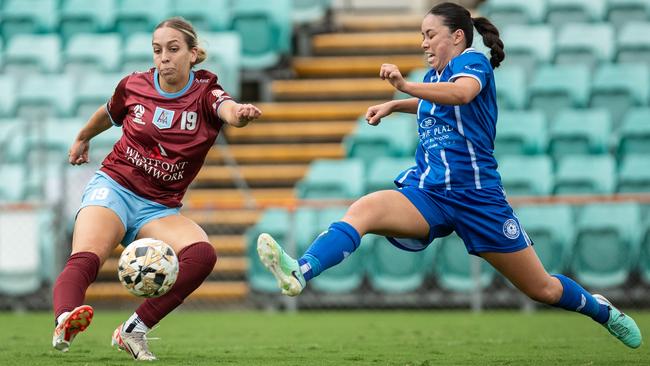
<point x="163" y="118"/>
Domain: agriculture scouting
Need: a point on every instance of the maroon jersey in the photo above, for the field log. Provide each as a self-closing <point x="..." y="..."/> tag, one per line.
<point x="166" y="136"/>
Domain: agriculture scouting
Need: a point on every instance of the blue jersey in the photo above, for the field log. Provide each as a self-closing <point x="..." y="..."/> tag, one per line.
<point x="457" y="142"/>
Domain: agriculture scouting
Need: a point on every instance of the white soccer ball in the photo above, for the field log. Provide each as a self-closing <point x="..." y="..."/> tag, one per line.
<point x="148" y="268"/>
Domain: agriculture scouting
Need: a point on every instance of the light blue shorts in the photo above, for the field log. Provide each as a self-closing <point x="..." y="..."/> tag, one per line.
<point x="133" y="210"/>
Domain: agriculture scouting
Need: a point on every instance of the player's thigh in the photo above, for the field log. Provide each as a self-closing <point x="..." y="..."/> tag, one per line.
<point x="524" y="269"/>
<point x="387" y="213"/>
<point x="175" y="230"/>
<point x="98" y="230"/>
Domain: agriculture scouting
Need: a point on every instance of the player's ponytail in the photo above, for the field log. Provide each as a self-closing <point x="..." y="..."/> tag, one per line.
<point x="189" y="34"/>
<point x="200" y="56"/>
<point x="491" y="40"/>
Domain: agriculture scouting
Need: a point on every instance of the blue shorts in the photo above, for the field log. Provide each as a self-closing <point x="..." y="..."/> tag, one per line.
<point x="133" y="210"/>
<point x="481" y="217"/>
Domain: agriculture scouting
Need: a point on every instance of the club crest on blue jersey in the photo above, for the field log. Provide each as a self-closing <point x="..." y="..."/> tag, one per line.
<point x="163" y="118"/>
<point x="428" y="122"/>
<point x="511" y="229"/>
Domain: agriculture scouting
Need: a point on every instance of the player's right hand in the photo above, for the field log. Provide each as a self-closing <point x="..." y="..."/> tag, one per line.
<point x="78" y="153"/>
<point x="376" y="112"/>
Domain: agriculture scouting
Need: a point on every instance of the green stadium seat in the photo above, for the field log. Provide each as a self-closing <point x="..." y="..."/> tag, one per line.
<point x="19" y="264"/>
<point x="274" y="221"/>
<point x="94" y="91"/>
<point x="13" y="140"/>
<point x="528" y="46"/>
<point x="265" y="31"/>
<point x="618" y="87"/>
<point x="93" y="52"/>
<point x="620" y="12"/>
<point x="31" y="52"/>
<point x="607" y="244"/>
<point x="526" y="175"/>
<point x="575" y="11"/>
<point x="506" y="12"/>
<point x="134" y="16"/>
<point x="393" y="270"/>
<point x="551" y="229"/>
<point x="224" y="59"/>
<point x="218" y="18"/>
<point x="309" y="11"/>
<point x="103" y="143"/>
<point x="28" y="16"/>
<point x="138" y="53"/>
<point x="512" y="92"/>
<point x="416" y="76"/>
<point x="13" y="187"/>
<point x="8" y="86"/>
<point x="580" y="131"/>
<point x="634" y="43"/>
<point x="588" y="174"/>
<point x="395" y="136"/>
<point x="53" y="92"/>
<point x="635" y="132"/>
<point x="521" y="133"/>
<point x="333" y="179"/>
<point x="573" y="46"/>
<point x="559" y="87"/>
<point x="453" y="266"/>
<point x="83" y="16"/>
<point x="634" y="174"/>
<point x="383" y="170"/>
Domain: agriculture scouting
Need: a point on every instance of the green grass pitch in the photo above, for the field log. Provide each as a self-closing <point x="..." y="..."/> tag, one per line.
<point x="415" y="338"/>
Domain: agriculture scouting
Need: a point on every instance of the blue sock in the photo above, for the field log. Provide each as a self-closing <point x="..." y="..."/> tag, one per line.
<point x="329" y="249"/>
<point x="576" y="298"/>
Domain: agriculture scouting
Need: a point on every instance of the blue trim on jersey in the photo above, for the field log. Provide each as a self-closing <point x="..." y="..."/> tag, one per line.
<point x="172" y="95"/>
<point x="111" y="117"/>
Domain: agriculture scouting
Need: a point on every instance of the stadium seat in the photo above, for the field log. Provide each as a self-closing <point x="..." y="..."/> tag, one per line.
<point x="634" y="174"/>
<point x="607" y="244"/>
<point x="562" y="12"/>
<point x="13" y="140"/>
<point x="620" y="12"/>
<point x="573" y="46"/>
<point x="526" y="175"/>
<point x="511" y="84"/>
<point x="224" y="59"/>
<point x="13" y="187"/>
<point x="551" y="229"/>
<point x="521" y="133"/>
<point x="506" y="12"/>
<point x="53" y="92"/>
<point x="82" y="16"/>
<point x="93" y="52"/>
<point x="334" y="179"/>
<point x="134" y="16"/>
<point x="309" y="11"/>
<point x="28" y="16"/>
<point x="383" y="170"/>
<point x="453" y="266"/>
<point x="635" y="132"/>
<point x="8" y="87"/>
<point x="633" y="43"/>
<point x="559" y="87"/>
<point x="580" y="131"/>
<point x="33" y="53"/>
<point x="528" y="46"/>
<point x="588" y="174"/>
<point x="274" y="221"/>
<point x="205" y="15"/>
<point x="265" y="31"/>
<point x="19" y="264"/>
<point x="395" y="136"/>
<point x="138" y="53"/>
<point x="618" y="87"/>
<point x="393" y="270"/>
<point x="94" y="91"/>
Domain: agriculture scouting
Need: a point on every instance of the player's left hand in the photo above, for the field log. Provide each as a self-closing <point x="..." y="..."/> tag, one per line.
<point x="247" y="112"/>
<point x="394" y="76"/>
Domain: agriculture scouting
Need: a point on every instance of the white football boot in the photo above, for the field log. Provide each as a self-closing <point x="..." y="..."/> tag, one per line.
<point x="135" y="343"/>
<point x="72" y="324"/>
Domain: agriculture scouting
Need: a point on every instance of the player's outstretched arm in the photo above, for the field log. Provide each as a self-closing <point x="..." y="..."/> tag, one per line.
<point x="238" y="115"/>
<point x="98" y="123"/>
<point x="375" y="113"/>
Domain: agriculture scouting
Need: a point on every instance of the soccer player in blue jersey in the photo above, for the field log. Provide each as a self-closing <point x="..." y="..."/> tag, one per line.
<point x="454" y="185"/>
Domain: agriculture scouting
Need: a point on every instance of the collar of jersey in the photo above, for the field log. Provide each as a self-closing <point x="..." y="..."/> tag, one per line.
<point x="171" y="95"/>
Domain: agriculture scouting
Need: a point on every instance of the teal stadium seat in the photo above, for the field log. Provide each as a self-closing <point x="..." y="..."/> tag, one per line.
<point x="205" y="15"/>
<point x="28" y="16"/>
<point x="618" y="87"/>
<point x="56" y="93"/>
<point x="103" y="143"/>
<point x="635" y="132"/>
<point x="333" y="179"/>
<point x="526" y="175"/>
<point x="521" y="133"/>
<point x="580" y="131"/>
<point x="528" y="46"/>
<point x="138" y="53"/>
<point x="620" y="12"/>
<point x="383" y="170"/>
<point x="395" y="136"/>
<point x="8" y="86"/>
<point x="13" y="187"/>
<point x="585" y="174"/>
<point x="274" y="221"/>
<point x="634" y="174"/>
<point x="562" y="12"/>
<point x="589" y="44"/>
<point x="19" y="264"/>
<point x="224" y="59"/>
<point x="83" y="16"/>
<point x="33" y="53"/>
<point x="265" y="29"/>
<point x="453" y="266"/>
<point x="557" y="87"/>
<point x="93" y="53"/>
<point x="309" y="11"/>
<point x="511" y="84"/>
<point x="634" y="43"/>
<point x="551" y="229"/>
<point x="94" y="91"/>
<point x="134" y="16"/>
<point x="607" y="244"/>
<point x="506" y="12"/>
<point x="13" y="140"/>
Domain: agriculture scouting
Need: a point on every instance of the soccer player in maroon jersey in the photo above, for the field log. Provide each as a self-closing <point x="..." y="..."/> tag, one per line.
<point x="170" y="116"/>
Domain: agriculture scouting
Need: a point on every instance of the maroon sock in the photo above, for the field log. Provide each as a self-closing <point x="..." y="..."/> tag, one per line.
<point x="195" y="263"/>
<point x="71" y="285"/>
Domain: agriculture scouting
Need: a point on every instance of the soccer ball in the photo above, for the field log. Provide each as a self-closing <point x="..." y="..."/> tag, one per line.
<point x="148" y="267"/>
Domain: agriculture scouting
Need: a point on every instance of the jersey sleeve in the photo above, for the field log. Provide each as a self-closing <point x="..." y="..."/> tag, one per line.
<point x="473" y="65"/>
<point x="116" y="106"/>
<point x="216" y="96"/>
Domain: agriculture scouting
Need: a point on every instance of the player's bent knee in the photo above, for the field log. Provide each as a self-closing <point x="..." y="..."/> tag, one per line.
<point x="546" y="294"/>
